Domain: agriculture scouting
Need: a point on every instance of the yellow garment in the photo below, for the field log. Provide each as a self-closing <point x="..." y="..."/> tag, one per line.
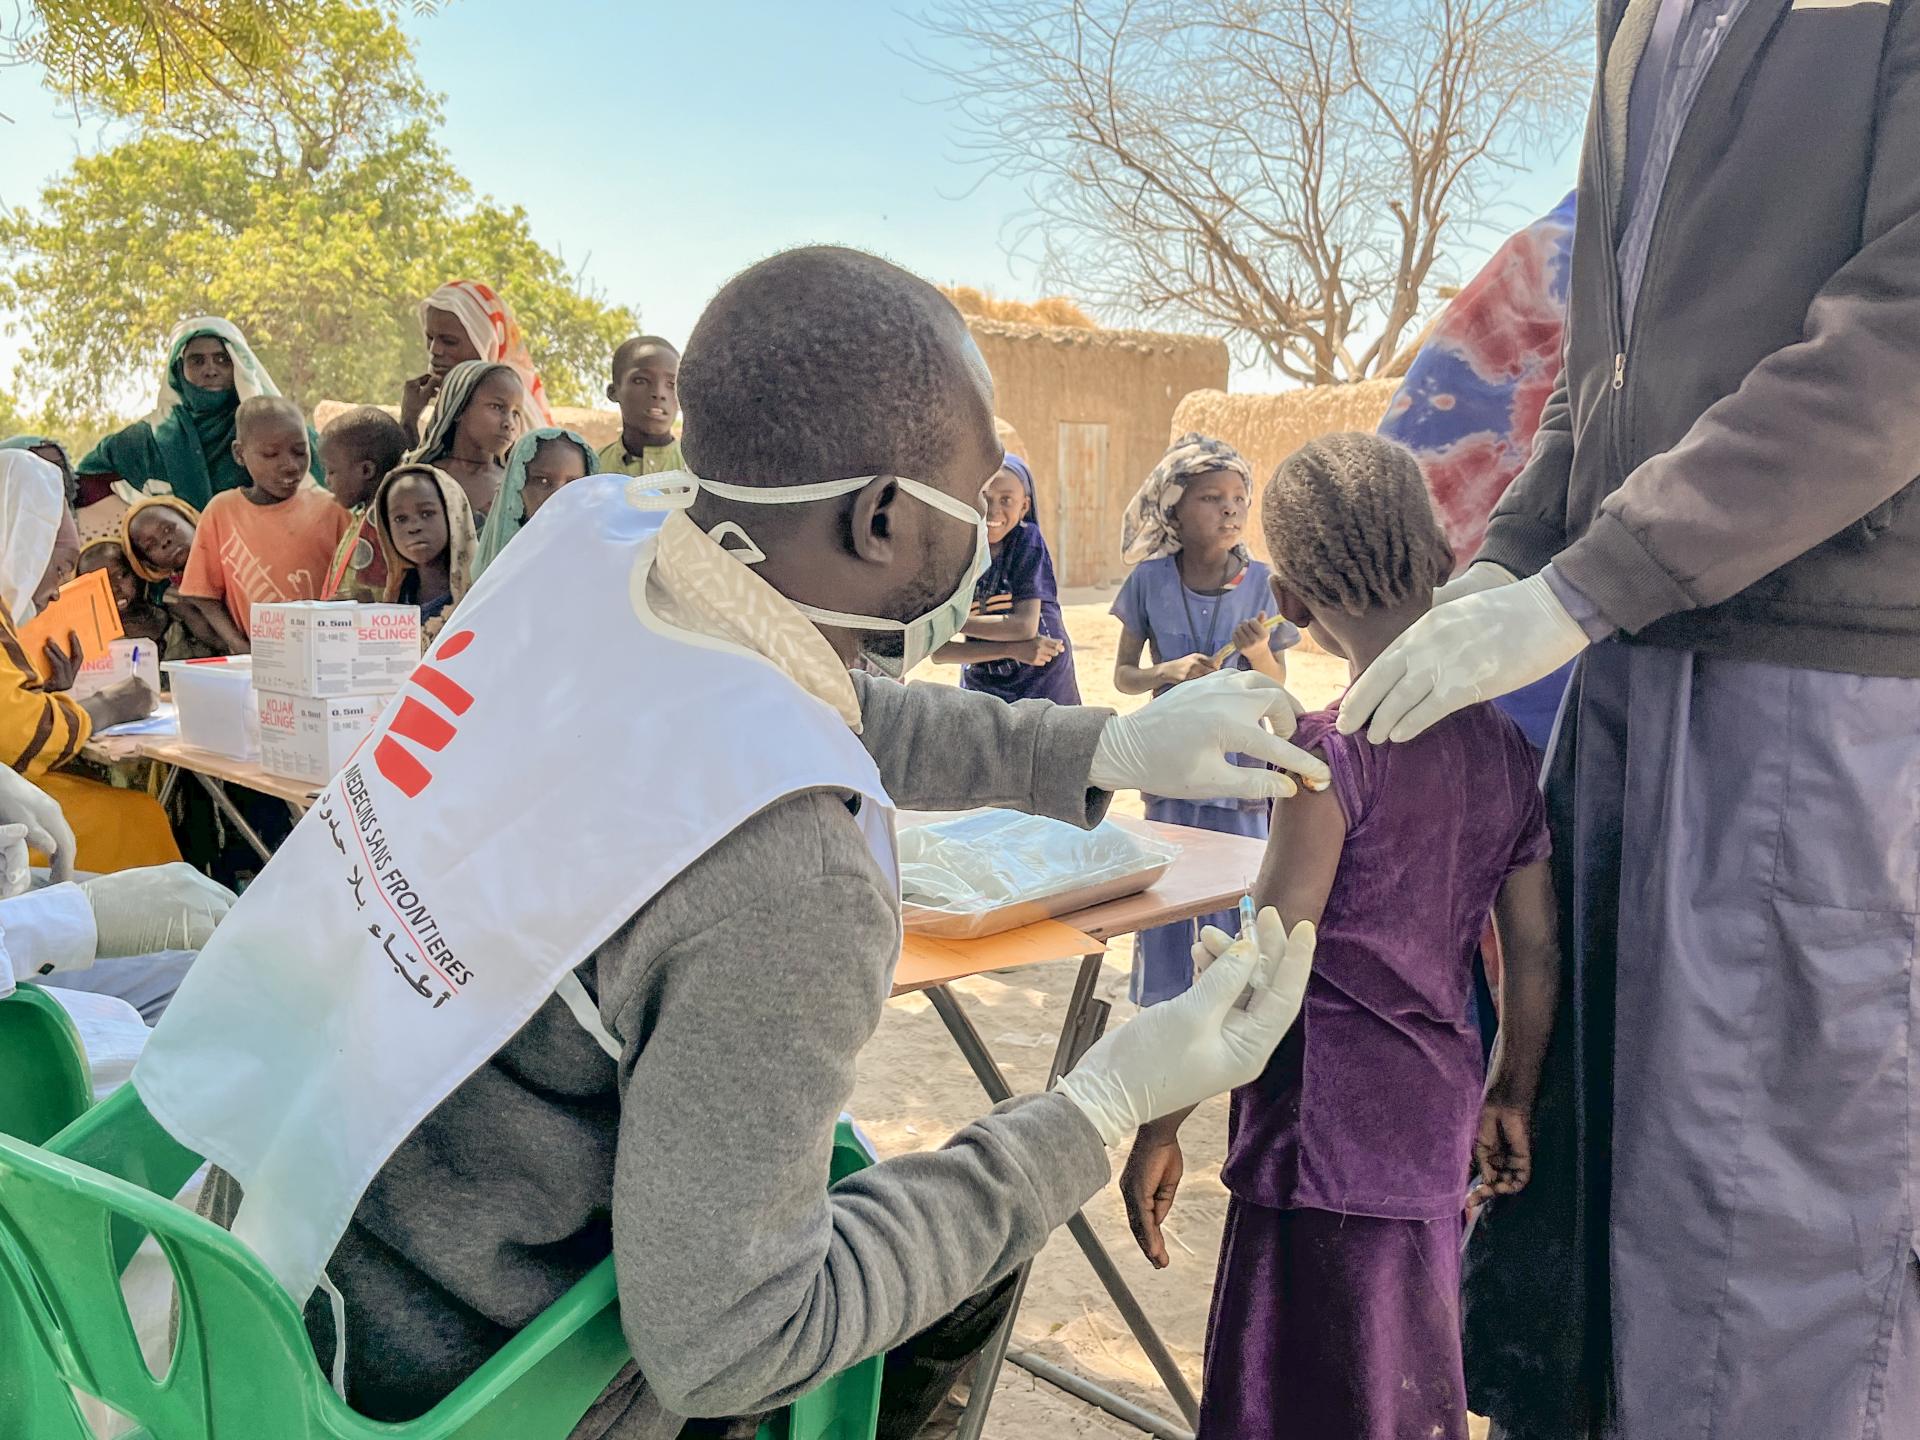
<point x="696" y="585"/>
<point x="652" y="460"/>
<point x="115" y="829"/>
<point x="38" y="729"/>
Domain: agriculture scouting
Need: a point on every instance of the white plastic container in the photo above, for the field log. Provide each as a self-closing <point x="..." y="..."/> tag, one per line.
<point x="124" y="660"/>
<point x="215" y="701"/>
<point x="310" y="740"/>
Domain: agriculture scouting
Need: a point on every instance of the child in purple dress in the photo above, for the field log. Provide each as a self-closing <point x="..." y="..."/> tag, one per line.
<point x="1336" y="1308"/>
<point x="1016" y="644"/>
<point x="1199" y="603"/>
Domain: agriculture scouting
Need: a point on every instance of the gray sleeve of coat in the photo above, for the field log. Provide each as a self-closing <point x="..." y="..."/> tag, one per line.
<point x="744" y="1281"/>
<point x="1818" y="436"/>
<point x="942" y="748"/>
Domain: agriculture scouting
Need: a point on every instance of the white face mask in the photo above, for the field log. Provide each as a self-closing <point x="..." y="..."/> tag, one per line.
<point x="922" y="635"/>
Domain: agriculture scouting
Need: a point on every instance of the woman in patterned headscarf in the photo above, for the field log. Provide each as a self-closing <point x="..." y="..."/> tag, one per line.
<point x="469" y="320"/>
<point x="1200" y="603"/>
<point x="187" y="442"/>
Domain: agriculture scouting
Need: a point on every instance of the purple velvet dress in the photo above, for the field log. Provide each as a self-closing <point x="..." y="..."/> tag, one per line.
<point x="1336" y="1308"/>
<point x="1177" y="621"/>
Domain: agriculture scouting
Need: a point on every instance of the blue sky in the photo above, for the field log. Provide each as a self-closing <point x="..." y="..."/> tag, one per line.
<point x="663" y="148"/>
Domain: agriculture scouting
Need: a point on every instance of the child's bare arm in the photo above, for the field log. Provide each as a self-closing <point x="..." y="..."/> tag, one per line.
<point x="1035" y="651"/>
<point x="209" y="620"/>
<point x="1023" y="623"/>
<point x="1303" y="854"/>
<point x="1130" y="677"/>
<point x="1527" y="920"/>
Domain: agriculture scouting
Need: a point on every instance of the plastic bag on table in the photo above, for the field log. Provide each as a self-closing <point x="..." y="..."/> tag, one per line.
<point x="991" y="870"/>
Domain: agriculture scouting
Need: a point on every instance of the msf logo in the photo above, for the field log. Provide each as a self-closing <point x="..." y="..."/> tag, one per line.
<point x="421" y="723"/>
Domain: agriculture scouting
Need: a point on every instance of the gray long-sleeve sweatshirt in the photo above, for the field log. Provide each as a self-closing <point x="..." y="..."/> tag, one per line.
<point x="740" y="996"/>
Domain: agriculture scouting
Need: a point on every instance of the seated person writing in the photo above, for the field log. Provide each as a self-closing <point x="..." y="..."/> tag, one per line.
<point x="43" y="729"/>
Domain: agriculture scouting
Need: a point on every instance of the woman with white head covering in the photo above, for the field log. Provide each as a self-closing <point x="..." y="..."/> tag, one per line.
<point x="186" y="443"/>
<point x="469" y="320"/>
<point x="41" y="727"/>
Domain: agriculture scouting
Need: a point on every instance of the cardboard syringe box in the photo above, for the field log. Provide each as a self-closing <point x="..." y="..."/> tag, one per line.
<point x="309" y="739"/>
<point x="329" y="649"/>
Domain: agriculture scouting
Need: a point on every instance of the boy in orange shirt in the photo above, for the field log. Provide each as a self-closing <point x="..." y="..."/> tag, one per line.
<point x="272" y="540"/>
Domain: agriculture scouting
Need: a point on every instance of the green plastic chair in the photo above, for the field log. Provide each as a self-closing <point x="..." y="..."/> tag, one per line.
<point x="73" y="1213"/>
<point x="44" y="1085"/>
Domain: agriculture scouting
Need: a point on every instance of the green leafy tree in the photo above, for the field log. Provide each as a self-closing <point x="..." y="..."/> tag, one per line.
<point x="314" y="209"/>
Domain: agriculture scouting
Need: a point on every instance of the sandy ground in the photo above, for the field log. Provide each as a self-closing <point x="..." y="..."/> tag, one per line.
<point x="914" y="1090"/>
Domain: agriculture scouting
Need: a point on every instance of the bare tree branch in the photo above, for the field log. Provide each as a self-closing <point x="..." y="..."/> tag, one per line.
<point x="1288" y="173"/>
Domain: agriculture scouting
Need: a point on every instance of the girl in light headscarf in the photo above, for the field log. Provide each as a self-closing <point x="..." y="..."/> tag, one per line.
<point x="427" y="534"/>
<point x="1200" y="603"/>
<point x="41" y="727"/>
<point x="480" y="413"/>
<point x="540" y="464"/>
<point x="468" y="320"/>
<point x="187" y="441"/>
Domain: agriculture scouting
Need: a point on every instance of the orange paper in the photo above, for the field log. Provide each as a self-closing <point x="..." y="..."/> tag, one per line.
<point x="85" y="607"/>
<point x="926" y="961"/>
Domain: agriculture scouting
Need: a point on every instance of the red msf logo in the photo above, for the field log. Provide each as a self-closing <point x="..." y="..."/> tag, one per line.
<point x="421" y="724"/>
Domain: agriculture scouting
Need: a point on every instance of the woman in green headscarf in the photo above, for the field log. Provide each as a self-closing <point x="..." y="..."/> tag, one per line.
<point x="187" y="442"/>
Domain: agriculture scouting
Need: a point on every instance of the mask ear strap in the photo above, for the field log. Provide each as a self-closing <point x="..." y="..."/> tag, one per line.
<point x="746" y="552"/>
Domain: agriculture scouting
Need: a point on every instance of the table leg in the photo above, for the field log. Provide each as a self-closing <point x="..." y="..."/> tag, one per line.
<point x="168" y="784"/>
<point x="1085" y="1018"/>
<point x="218" y="794"/>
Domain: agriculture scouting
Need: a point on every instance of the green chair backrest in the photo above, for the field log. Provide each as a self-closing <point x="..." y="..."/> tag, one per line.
<point x="44" y="1083"/>
<point x="72" y="1215"/>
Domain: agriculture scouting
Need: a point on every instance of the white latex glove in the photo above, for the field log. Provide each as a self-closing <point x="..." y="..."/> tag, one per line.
<point x="1177" y="745"/>
<point x="1481" y="575"/>
<point x="1475" y="648"/>
<point x="164" y="907"/>
<point x="16" y="874"/>
<point x="1202" y="1043"/>
<point x="24" y="803"/>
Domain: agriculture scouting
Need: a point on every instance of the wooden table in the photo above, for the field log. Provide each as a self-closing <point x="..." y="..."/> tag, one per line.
<point x="1211" y="873"/>
<point x="213" y="772"/>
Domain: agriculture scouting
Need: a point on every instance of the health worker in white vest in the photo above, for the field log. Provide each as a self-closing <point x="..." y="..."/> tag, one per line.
<point x="577" y="954"/>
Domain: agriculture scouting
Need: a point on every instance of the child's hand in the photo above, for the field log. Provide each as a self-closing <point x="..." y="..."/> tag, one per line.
<point x="1188" y="667"/>
<point x="1502" y="1151"/>
<point x="1037" y="651"/>
<point x="1252" y="636"/>
<point x="63" y="665"/>
<point x="1148" y="1184"/>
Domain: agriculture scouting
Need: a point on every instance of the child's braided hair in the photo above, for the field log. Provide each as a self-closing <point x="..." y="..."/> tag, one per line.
<point x="1350" y="525"/>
